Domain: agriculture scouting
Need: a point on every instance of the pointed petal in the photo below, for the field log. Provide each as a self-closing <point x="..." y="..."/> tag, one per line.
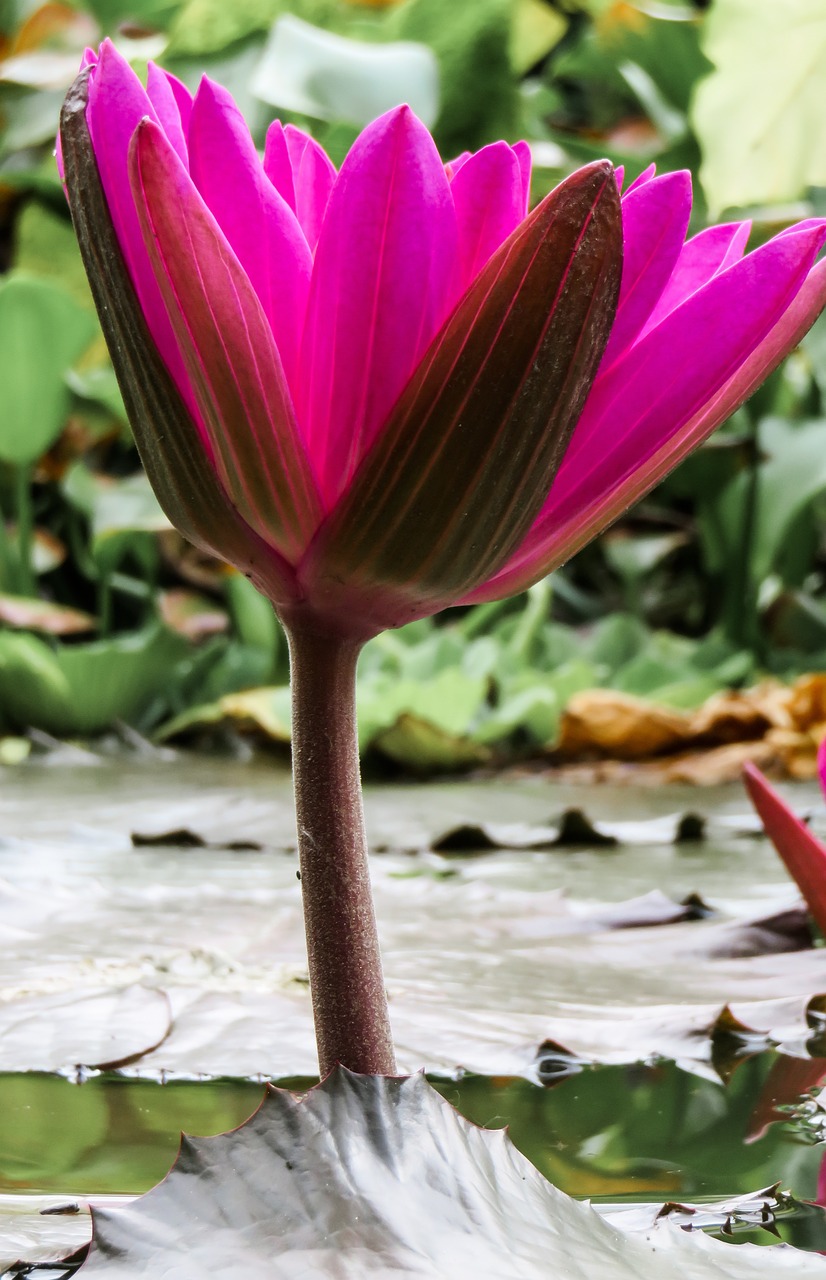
<point x="259" y="225"/>
<point x="487" y="193"/>
<point x="117" y="103"/>
<point x="466" y="459"/>
<point x="801" y="851"/>
<point x="453" y="166"/>
<point x="314" y="176"/>
<point x="228" y="349"/>
<point x="654" y="222"/>
<point x="163" y="99"/>
<point x="645" y="176"/>
<point x="183" y="99"/>
<point x="523" y="154"/>
<point x="566" y="526"/>
<point x="169" y="441"/>
<point x="277" y="164"/>
<point x="380" y="290"/>
<point x="704" y="256"/>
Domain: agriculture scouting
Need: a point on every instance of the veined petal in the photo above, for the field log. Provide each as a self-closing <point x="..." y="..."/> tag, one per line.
<point x="228" y="350"/>
<point x="117" y="104"/>
<point x="654" y="222"/>
<point x="258" y="223"/>
<point x="314" y="175"/>
<point x="488" y="196"/>
<point x="457" y="475"/>
<point x="162" y="97"/>
<point x="380" y="290"/>
<point x="565" y="526"/>
<point x="704" y="256"/>
<point x="169" y="441"/>
<point x="800" y="849"/>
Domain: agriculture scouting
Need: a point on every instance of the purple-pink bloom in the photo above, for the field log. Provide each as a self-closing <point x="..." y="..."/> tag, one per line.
<point x="300" y="313"/>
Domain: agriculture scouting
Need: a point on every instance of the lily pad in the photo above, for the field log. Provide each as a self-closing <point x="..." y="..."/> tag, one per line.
<point x="368" y="1175"/>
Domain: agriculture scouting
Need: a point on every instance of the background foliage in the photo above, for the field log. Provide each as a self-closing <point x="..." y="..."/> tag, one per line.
<point x="108" y="618"/>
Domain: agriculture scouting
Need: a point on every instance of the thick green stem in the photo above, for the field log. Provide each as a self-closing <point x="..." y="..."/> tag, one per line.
<point x="349" y="1002"/>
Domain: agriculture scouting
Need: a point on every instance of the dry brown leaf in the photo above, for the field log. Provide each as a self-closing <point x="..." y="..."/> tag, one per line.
<point x="778" y="727"/>
<point x="629" y="728"/>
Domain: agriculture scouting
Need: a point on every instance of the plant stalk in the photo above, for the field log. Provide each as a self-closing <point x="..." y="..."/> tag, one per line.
<point x="346" y="983"/>
<point x="25" y="528"/>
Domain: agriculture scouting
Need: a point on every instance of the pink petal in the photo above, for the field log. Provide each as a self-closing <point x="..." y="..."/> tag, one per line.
<point x="586" y="500"/>
<point x="277" y="164"/>
<point x="379" y="292"/>
<point x="821" y="765"/>
<point x="801" y="851"/>
<point x="182" y="97"/>
<point x="654" y="222"/>
<point x="488" y="195"/>
<point x="163" y="99"/>
<point x="453" y="166"/>
<point x="619" y="174"/>
<point x="117" y="104"/>
<point x="523" y="154"/>
<point x="227" y="345"/>
<point x="313" y="176"/>
<point x="704" y="256"/>
<point x="257" y="222"/>
<point x="466" y="458"/>
<point x="644" y="177"/>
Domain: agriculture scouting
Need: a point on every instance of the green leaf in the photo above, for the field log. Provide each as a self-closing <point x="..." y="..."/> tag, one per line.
<point x="423" y="747"/>
<point x="449" y="701"/>
<point x="534" y="709"/>
<point x="84" y="688"/>
<point x="307" y="70"/>
<point x="42" y="332"/>
<point x="253" y="616"/>
<point x="792" y="473"/>
<point x="478" y="87"/>
<point x="536" y="30"/>
<point x="46" y="246"/>
<point x="617" y="639"/>
<point x="759" y="114"/>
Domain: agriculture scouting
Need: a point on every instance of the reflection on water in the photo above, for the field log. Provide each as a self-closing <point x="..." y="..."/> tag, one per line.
<point x="617" y="1134"/>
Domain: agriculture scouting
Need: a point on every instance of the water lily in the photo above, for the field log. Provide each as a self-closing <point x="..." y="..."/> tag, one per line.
<point x="803" y="854"/>
<point x="388" y="389"/>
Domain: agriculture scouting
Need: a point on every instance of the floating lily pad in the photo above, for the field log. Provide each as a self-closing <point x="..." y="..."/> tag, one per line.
<point x="371" y="1175"/>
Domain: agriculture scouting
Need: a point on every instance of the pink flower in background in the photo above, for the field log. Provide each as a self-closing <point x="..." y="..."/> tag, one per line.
<point x="385" y="366"/>
<point x="801" y="851"/>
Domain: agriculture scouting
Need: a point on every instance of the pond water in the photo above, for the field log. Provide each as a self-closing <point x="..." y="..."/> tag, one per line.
<point x="622" y="1134"/>
<point x="617" y="1002"/>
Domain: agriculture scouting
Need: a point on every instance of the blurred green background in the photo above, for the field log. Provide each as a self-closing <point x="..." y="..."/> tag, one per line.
<point x="110" y="620"/>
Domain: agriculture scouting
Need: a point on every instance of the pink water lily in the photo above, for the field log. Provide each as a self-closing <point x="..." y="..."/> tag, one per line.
<point x="391" y="388"/>
<point x="375" y="457"/>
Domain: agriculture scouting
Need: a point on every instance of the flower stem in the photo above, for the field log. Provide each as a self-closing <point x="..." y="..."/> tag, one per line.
<point x="349" y="1002"/>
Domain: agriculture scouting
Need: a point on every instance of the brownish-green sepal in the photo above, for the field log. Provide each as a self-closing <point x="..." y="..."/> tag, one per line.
<point x="168" y="440"/>
<point x="468" y="456"/>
